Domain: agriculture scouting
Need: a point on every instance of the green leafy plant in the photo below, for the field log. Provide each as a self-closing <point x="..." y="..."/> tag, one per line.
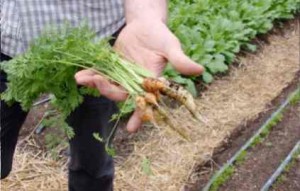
<point x="213" y="31"/>
<point x="226" y="175"/>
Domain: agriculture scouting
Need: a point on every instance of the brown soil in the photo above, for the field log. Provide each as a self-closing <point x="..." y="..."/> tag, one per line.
<point x="31" y="140"/>
<point x="240" y="135"/>
<point x="32" y="120"/>
<point x="291" y="179"/>
<point x="262" y="160"/>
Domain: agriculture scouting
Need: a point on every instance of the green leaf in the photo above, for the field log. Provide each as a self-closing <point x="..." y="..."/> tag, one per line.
<point x="217" y="65"/>
<point x="207" y="77"/>
<point x="229" y="57"/>
<point x="127" y="106"/>
<point x="98" y="137"/>
<point x="209" y="45"/>
<point x="206" y="59"/>
<point x="146" y="167"/>
<point x="110" y="151"/>
<point x="170" y="72"/>
<point x="187" y="83"/>
<point x="191" y="87"/>
<point x="251" y="47"/>
<point x="89" y="91"/>
<point x="180" y="80"/>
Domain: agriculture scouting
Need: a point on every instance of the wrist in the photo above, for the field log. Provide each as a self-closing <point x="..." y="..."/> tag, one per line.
<point x="146" y="19"/>
<point x="146" y="10"/>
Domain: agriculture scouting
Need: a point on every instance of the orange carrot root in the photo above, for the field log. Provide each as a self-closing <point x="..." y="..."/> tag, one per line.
<point x="140" y="102"/>
<point x="172" y="90"/>
<point x="151" y="98"/>
<point x="152" y="85"/>
<point x="148" y="114"/>
<point x="146" y="110"/>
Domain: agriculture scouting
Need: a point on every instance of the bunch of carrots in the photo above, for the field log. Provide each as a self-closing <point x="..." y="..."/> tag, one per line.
<point x="51" y="62"/>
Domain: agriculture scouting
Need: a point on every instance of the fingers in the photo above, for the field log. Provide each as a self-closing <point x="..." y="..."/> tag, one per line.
<point x="85" y="78"/>
<point x="91" y="79"/>
<point x="183" y="63"/>
<point x="109" y="90"/>
<point x="134" y="122"/>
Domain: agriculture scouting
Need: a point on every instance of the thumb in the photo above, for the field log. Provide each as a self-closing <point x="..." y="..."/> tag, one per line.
<point x="182" y="63"/>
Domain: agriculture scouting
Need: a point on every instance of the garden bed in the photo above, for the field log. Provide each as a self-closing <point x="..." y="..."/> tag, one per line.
<point x="225" y="105"/>
<point x="252" y="168"/>
<point x="289" y="180"/>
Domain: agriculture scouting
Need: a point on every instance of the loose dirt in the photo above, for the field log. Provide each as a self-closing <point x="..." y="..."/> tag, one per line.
<point x="290" y="181"/>
<point x="263" y="159"/>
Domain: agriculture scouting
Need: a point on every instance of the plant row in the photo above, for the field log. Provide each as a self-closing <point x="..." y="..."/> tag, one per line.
<point x="214" y="31"/>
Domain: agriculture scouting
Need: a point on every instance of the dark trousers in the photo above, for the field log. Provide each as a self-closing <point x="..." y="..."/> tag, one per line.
<point x="90" y="168"/>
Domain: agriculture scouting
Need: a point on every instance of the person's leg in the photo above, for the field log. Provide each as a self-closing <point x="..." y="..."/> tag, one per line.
<point x="12" y="118"/>
<point x="90" y="167"/>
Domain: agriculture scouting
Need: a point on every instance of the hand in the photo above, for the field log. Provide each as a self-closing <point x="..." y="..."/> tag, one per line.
<point x="147" y="43"/>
